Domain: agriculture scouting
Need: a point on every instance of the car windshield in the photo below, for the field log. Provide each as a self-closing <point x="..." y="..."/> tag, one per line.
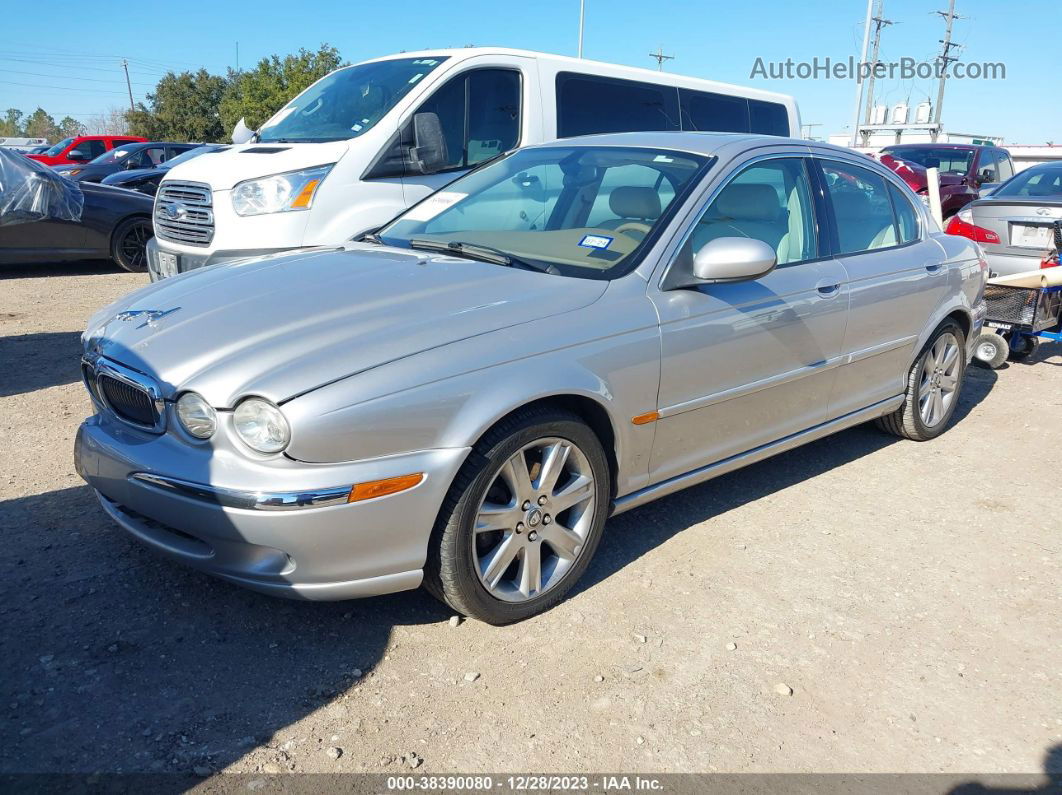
<point x="59" y="147"/>
<point x="949" y="161"/>
<point x="347" y="102"/>
<point x="582" y="211"/>
<point x="115" y="155"/>
<point x="1044" y="182"/>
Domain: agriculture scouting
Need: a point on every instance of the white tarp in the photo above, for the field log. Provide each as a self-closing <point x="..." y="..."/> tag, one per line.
<point x="31" y="191"/>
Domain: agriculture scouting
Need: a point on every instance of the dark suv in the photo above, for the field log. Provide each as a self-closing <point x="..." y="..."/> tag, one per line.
<point x="964" y="169"/>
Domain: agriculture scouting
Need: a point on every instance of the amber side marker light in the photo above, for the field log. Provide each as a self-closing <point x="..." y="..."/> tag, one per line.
<point x="306" y="194"/>
<point x="381" y="488"/>
<point x="645" y="419"/>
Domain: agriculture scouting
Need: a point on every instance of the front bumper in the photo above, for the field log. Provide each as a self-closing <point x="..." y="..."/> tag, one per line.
<point x="298" y="548"/>
<point x="188" y="262"/>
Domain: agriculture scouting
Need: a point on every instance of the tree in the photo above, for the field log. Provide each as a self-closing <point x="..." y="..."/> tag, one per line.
<point x="40" y="125"/>
<point x="184" y="107"/>
<point x="69" y="127"/>
<point x="111" y="122"/>
<point x="258" y="93"/>
<point x="11" y="124"/>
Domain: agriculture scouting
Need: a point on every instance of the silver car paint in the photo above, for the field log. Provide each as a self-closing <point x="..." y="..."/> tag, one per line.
<point x="388" y="362"/>
<point x="998" y="214"/>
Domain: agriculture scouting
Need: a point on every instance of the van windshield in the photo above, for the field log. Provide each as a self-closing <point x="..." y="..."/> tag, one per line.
<point x="347" y="102"/>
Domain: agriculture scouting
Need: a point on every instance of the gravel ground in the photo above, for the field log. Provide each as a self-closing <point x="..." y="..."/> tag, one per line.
<point x="859" y="605"/>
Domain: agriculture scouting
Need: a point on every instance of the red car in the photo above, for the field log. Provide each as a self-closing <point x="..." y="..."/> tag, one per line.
<point x="82" y="148"/>
<point x="964" y="169"/>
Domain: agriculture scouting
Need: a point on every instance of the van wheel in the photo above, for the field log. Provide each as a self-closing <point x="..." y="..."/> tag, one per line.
<point x="991" y="350"/>
<point x="129" y="244"/>
<point x="933" y="387"/>
<point x="522" y="519"/>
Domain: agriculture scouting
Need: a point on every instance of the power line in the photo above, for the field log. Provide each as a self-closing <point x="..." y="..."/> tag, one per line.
<point x="67" y="77"/>
<point x="59" y="88"/>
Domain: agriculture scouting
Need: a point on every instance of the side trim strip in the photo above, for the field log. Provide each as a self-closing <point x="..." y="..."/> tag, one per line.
<point x="710" y="471"/>
<point x="874" y="350"/>
<point x="247" y="500"/>
<point x="755" y="386"/>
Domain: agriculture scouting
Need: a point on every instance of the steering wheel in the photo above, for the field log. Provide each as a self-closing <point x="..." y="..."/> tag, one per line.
<point x="633" y="226"/>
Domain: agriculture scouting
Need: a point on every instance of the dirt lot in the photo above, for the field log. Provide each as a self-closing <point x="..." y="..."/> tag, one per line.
<point x="908" y="594"/>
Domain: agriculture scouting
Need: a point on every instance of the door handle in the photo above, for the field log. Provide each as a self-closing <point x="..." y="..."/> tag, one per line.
<point x="934" y="267"/>
<point x="827" y="290"/>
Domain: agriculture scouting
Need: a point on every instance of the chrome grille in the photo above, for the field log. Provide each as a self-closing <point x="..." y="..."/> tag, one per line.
<point x="184" y="213"/>
<point x="128" y="402"/>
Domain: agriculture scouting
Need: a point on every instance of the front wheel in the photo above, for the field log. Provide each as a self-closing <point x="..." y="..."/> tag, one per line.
<point x="522" y="519"/>
<point x="129" y="244"/>
<point x="933" y="386"/>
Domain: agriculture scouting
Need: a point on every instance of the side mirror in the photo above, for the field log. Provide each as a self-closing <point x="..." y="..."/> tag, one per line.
<point x="429" y="154"/>
<point x="76" y="155"/>
<point x="733" y="259"/>
<point x="241" y="133"/>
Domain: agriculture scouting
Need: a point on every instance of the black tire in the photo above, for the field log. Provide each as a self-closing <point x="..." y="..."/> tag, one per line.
<point x="907" y="421"/>
<point x="128" y="244"/>
<point x="1028" y="347"/>
<point x="991" y="350"/>
<point x="451" y="572"/>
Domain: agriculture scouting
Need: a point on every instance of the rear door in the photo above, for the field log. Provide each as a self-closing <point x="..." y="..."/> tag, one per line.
<point x="896" y="280"/>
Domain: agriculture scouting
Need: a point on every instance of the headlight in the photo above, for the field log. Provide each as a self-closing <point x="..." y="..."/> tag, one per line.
<point x="196" y="415"/>
<point x="261" y="425"/>
<point x="279" y="193"/>
<point x="69" y="172"/>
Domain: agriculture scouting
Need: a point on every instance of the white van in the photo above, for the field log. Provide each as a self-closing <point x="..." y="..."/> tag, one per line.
<point x="367" y="141"/>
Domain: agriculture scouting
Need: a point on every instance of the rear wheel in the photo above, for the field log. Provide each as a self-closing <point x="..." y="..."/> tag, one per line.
<point x="990" y="349"/>
<point x="522" y="519"/>
<point x="933" y="386"/>
<point x="129" y="244"/>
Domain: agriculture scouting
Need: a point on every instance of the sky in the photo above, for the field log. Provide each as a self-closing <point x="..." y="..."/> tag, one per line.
<point x="69" y="62"/>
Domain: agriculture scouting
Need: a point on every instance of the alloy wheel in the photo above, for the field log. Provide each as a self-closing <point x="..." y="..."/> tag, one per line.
<point x="938" y="380"/>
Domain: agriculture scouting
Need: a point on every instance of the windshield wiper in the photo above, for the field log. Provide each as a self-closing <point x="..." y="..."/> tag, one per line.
<point x="480" y="252"/>
<point x="370" y="236"/>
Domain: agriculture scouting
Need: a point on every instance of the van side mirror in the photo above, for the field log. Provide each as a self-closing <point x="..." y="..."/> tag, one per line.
<point x="429" y="153"/>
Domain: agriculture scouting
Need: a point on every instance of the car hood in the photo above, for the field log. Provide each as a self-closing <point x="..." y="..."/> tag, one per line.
<point x="222" y="170"/>
<point x="283" y="325"/>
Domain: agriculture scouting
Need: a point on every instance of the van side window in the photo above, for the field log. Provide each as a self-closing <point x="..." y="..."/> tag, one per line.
<point x="480" y="115"/>
<point x="588" y="104"/>
<point x="703" y="111"/>
<point x="768" y="118"/>
<point x="769" y="201"/>
<point x="861" y="207"/>
<point x="906" y="216"/>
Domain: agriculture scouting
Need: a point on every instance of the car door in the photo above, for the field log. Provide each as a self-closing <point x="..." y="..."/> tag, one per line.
<point x="746" y="363"/>
<point x="896" y="279"/>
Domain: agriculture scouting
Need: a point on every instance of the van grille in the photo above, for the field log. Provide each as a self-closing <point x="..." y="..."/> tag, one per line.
<point x="184" y="213"/>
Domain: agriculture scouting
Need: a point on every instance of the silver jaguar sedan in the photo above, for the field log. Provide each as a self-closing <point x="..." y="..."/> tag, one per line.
<point x="462" y="399"/>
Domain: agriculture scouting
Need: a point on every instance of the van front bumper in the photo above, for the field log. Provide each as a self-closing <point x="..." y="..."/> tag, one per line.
<point x="183" y="262"/>
<point x="302" y="542"/>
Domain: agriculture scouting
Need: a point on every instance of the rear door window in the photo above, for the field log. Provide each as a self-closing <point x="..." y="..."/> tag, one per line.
<point x="906" y="215"/>
<point x="861" y="207"/>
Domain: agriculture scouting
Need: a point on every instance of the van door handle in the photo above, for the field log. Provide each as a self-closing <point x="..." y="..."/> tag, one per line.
<point x="827" y="290"/>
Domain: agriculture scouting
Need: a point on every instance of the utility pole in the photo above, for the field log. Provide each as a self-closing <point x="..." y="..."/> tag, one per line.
<point x="859" y="82"/>
<point x="660" y="58"/>
<point x="805" y="129"/>
<point x="237" y="57"/>
<point x="879" y="23"/>
<point x="128" y="85"/>
<point x="582" y="13"/>
<point x="945" y="57"/>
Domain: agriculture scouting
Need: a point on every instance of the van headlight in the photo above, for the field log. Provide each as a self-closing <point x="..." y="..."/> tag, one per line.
<point x="261" y="425"/>
<point x="279" y="193"/>
<point x="196" y="415"/>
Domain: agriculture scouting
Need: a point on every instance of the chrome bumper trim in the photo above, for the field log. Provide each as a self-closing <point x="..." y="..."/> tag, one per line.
<point x="246" y="500"/>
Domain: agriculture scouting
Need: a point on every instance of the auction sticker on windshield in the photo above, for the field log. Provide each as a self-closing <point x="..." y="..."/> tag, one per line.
<point x="596" y="241"/>
<point x="433" y="205"/>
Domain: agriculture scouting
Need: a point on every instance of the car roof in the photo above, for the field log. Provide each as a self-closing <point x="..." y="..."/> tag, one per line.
<point x="940" y="146"/>
<point x="701" y="143"/>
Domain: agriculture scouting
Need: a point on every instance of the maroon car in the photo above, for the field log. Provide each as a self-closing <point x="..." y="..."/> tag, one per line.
<point x="964" y="169"/>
